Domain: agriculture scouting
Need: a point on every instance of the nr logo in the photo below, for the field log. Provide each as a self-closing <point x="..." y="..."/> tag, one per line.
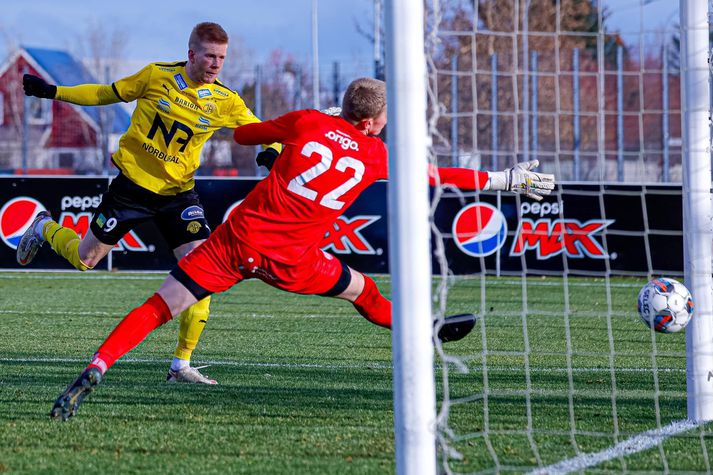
<point x="169" y="134"/>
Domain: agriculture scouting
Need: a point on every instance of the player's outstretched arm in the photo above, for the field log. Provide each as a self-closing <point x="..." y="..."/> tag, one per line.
<point x="521" y="179"/>
<point x="83" y="95"/>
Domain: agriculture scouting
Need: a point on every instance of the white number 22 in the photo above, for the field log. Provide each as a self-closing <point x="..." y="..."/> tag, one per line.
<point x="329" y="200"/>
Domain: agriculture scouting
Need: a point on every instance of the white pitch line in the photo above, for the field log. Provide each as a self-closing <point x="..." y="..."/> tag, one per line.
<point x="159" y="275"/>
<point x="638" y="443"/>
<point x="366" y="365"/>
<point x="240" y="364"/>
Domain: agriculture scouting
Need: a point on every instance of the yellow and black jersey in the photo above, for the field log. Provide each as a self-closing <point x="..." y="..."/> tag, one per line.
<point x="173" y="118"/>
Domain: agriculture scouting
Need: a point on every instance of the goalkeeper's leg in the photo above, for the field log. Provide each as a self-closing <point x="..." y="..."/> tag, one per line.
<point x="172" y="298"/>
<point x="372" y="305"/>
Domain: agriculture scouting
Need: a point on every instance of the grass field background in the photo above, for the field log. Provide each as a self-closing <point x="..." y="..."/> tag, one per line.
<point x="305" y="383"/>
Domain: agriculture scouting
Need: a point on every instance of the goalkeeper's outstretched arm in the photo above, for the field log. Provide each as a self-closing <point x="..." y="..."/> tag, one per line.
<point x="518" y="179"/>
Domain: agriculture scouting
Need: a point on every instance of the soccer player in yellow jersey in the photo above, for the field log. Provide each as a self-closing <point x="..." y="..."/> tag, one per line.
<point x="179" y="106"/>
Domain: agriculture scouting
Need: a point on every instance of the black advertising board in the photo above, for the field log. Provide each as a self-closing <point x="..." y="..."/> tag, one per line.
<point x="587" y="229"/>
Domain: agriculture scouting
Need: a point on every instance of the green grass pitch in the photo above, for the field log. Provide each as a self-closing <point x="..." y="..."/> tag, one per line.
<point x="305" y="383"/>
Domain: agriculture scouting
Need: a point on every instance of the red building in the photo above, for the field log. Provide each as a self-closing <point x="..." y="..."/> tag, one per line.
<point x="46" y="136"/>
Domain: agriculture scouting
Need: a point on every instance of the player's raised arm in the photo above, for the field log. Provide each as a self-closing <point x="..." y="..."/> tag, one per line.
<point x="84" y="94"/>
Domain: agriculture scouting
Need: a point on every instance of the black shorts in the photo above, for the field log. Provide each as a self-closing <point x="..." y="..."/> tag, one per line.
<point x="125" y="205"/>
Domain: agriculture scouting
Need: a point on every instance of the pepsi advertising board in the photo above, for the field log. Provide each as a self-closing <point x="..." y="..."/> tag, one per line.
<point x="589" y="229"/>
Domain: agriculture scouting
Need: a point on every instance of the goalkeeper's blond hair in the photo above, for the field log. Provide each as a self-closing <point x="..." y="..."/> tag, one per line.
<point x="365" y="98"/>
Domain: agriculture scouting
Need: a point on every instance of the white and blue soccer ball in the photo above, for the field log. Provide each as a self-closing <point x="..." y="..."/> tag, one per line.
<point x="665" y="305"/>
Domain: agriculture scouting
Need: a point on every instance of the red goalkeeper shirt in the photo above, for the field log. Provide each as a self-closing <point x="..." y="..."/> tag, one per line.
<point x="325" y="164"/>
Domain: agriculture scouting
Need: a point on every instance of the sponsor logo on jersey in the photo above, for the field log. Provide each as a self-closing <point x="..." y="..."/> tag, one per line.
<point x="193" y="227"/>
<point x="345" y="236"/>
<point x="164" y="105"/>
<point x="192" y="212"/>
<point x="187" y="104"/>
<point x="343" y="139"/>
<point x="160" y="154"/>
<point x="552" y="237"/>
<point x="479" y="229"/>
<point x="180" y="82"/>
<point x="221" y="93"/>
<point x="16" y="216"/>
<point x="165" y="69"/>
<point x="204" y="93"/>
<point x="203" y="123"/>
<point x="209" y="108"/>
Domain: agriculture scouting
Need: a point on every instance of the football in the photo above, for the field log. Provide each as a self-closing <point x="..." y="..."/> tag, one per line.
<point x="665" y="305"/>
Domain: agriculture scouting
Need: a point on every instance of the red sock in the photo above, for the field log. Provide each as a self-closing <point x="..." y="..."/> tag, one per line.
<point x="372" y="305"/>
<point x="131" y="331"/>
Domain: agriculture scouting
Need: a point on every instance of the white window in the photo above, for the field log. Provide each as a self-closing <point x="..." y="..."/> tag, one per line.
<point x="39" y="110"/>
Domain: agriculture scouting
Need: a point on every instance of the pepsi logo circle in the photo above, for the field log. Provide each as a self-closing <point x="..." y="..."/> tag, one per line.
<point x="16" y="216"/>
<point x="479" y="229"/>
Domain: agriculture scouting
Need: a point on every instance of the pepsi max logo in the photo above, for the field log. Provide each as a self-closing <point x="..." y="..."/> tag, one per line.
<point x="192" y="212"/>
<point x="479" y="229"/>
<point x="16" y="216"/>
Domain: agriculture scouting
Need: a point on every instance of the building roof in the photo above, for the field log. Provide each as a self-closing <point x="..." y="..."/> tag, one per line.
<point x="64" y="70"/>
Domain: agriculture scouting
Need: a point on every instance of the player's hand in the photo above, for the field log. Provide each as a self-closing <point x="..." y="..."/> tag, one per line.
<point x="521" y="179"/>
<point x="267" y="158"/>
<point x="38" y="87"/>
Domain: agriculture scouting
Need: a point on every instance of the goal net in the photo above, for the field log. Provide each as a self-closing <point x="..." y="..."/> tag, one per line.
<point x="559" y="374"/>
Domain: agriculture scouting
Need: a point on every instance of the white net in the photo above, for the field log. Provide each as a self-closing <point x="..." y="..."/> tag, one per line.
<point x="559" y="374"/>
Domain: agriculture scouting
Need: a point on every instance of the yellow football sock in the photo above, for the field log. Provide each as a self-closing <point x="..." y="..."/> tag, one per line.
<point x="65" y="242"/>
<point x="192" y="323"/>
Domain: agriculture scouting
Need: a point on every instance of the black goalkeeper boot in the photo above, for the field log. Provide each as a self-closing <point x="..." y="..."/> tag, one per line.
<point x="456" y="327"/>
<point x="67" y="403"/>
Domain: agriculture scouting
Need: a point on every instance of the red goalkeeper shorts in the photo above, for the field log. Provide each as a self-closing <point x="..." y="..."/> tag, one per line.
<point x="222" y="261"/>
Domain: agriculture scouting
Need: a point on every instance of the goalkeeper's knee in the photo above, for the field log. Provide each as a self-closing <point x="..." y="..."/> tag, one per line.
<point x="372" y="305"/>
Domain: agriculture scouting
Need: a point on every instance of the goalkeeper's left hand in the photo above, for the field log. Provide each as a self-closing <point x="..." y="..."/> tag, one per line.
<point x="521" y="179"/>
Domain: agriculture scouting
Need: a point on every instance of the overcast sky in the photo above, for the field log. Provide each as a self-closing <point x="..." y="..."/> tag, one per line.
<point x="160" y="32"/>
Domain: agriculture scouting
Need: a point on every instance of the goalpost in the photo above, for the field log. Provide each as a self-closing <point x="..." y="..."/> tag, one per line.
<point x="697" y="209"/>
<point x="557" y="365"/>
<point x="414" y="393"/>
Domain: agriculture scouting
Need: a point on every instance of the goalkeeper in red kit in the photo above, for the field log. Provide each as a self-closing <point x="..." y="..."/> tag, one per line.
<point x="274" y="234"/>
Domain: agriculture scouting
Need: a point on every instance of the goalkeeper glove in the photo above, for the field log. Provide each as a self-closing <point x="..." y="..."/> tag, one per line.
<point x="332" y="111"/>
<point x="521" y="180"/>
<point x="267" y="158"/>
<point x="38" y="87"/>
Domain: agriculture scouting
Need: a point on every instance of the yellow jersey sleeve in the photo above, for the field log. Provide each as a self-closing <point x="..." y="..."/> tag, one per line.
<point x="87" y="94"/>
<point x="133" y="87"/>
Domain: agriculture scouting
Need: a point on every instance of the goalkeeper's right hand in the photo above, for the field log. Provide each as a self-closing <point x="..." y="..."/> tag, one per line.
<point x="38" y="87"/>
<point x="521" y="179"/>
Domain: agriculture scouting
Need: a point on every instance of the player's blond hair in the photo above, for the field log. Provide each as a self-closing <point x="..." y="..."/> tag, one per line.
<point x="365" y="98"/>
<point x="207" y="32"/>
